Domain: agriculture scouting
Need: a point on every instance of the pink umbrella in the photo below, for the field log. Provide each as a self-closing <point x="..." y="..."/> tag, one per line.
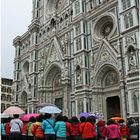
<point x="13" y="110"/>
<point x="26" y="117"/>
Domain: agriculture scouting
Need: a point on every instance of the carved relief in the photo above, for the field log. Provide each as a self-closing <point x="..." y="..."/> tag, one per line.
<point x="78" y="74"/>
<point x="53" y="56"/>
<point x="111" y="79"/>
<point x="104" y="56"/>
<point x="132" y="61"/>
<point x="64" y="43"/>
<point x="131" y="58"/>
<point x="131" y="39"/>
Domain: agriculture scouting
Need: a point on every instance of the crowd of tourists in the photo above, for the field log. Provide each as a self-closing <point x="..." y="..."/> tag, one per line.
<point x="46" y="127"/>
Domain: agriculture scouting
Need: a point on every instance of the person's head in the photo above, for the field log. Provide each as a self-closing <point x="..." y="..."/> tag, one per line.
<point x="121" y="121"/>
<point x="38" y="119"/>
<point x="65" y="118"/>
<point x="74" y="119"/>
<point x="42" y="116"/>
<point x="59" y="118"/>
<point x="93" y="119"/>
<point x="89" y="119"/>
<point x="47" y="116"/>
<point x="101" y="123"/>
<point x="82" y="119"/>
<point x="110" y="122"/>
<point x="32" y="119"/>
<point x="16" y="116"/>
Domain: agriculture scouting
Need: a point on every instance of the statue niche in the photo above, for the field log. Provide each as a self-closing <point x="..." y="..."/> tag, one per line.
<point x="131" y="58"/>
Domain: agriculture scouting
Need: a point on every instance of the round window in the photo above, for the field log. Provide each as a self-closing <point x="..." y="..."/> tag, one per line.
<point x="104" y="27"/>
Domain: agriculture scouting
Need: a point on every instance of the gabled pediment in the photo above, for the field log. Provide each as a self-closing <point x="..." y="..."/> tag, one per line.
<point x="106" y="55"/>
<point x="54" y="52"/>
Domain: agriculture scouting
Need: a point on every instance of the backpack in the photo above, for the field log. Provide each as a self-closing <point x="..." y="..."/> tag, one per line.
<point x="29" y="128"/>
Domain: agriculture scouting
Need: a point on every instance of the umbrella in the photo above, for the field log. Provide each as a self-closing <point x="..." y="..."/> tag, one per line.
<point x="3" y="115"/>
<point x="85" y="114"/>
<point x="26" y="117"/>
<point x="13" y="110"/>
<point x="116" y="118"/>
<point x="50" y="109"/>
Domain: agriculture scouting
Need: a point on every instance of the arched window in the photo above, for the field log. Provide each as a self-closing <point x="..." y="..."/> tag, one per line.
<point x="135" y="103"/>
<point x="24" y="98"/>
<point x="16" y="97"/>
<point x="8" y="90"/>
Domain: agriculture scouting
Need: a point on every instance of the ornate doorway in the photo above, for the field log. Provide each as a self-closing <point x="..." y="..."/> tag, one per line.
<point x="113" y="107"/>
<point x="108" y="91"/>
<point x="59" y="103"/>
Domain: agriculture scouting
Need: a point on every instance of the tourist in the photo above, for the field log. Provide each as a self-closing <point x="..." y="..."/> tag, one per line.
<point x="48" y="127"/>
<point x="24" y="130"/>
<point x="113" y="130"/>
<point x="16" y="125"/>
<point x="29" y="128"/>
<point x="60" y="128"/>
<point x="123" y="129"/>
<point x="75" y="134"/>
<point x="68" y="128"/>
<point x="133" y="128"/>
<point x="8" y="127"/>
<point x="88" y="130"/>
<point x="37" y="129"/>
<point x="101" y="130"/>
<point x="3" y="132"/>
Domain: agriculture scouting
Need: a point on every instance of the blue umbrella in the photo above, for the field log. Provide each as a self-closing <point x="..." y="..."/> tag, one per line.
<point x="50" y="109"/>
<point x="85" y="114"/>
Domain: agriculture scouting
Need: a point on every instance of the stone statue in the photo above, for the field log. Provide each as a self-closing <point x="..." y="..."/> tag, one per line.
<point x="132" y="62"/>
<point x="27" y="81"/>
<point x="65" y="44"/>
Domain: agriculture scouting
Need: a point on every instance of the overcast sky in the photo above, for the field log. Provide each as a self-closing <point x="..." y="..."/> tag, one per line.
<point x="15" y="18"/>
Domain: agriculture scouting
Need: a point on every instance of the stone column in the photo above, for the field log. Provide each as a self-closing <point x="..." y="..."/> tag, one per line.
<point x="123" y="101"/>
<point x="85" y="103"/>
<point x="76" y="107"/>
<point x="130" y="102"/>
<point x="66" y="99"/>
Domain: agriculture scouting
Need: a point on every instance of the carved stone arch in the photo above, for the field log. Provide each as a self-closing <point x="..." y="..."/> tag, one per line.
<point x="26" y="67"/>
<point x="24" y="99"/>
<point x="50" y="73"/>
<point x="107" y="75"/>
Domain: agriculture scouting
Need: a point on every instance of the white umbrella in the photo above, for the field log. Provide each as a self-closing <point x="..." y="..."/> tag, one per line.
<point x="50" y="109"/>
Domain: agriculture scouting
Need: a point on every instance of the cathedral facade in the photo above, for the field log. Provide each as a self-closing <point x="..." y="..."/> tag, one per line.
<point x="81" y="55"/>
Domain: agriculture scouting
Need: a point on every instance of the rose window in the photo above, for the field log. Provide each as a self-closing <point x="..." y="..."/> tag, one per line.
<point x="106" y="28"/>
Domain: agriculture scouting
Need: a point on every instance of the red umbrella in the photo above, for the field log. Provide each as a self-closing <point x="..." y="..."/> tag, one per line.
<point x="117" y="118"/>
<point x="13" y="110"/>
<point x="26" y="117"/>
